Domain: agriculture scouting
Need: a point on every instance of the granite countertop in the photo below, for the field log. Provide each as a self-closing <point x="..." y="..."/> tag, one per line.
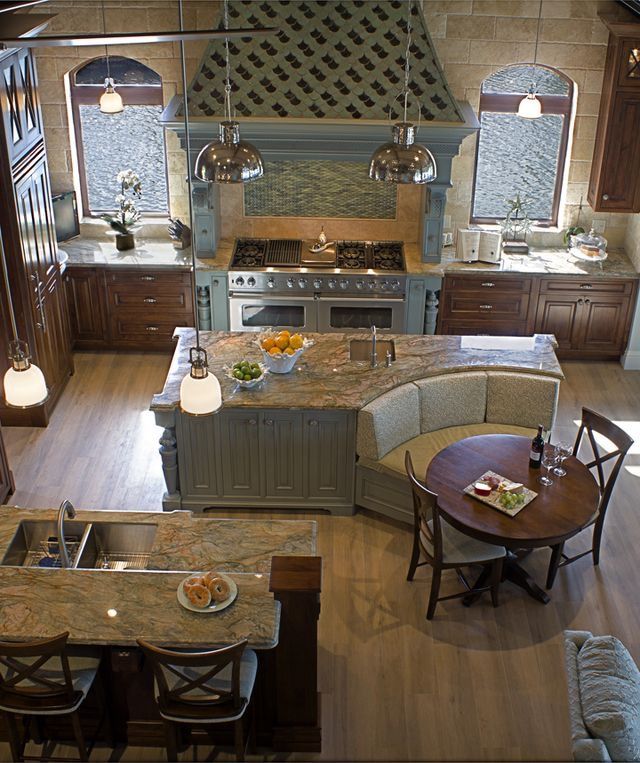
<point x="148" y="253"/>
<point x="37" y="602"/>
<point x="325" y="378"/>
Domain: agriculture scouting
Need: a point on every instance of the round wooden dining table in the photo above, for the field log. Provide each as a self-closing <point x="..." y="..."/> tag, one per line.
<point x="558" y="512"/>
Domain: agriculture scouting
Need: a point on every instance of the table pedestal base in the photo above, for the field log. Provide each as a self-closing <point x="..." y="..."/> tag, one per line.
<point x="515" y="573"/>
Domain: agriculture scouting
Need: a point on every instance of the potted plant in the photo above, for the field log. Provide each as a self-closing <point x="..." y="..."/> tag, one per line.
<point x="124" y="220"/>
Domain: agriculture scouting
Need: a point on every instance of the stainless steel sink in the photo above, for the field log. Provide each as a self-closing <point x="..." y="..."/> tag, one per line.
<point x="35" y="543"/>
<point x="360" y="349"/>
<point x="117" y="546"/>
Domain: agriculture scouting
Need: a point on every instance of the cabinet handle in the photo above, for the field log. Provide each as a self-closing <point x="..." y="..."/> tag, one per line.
<point x="124" y="653"/>
<point x="147" y="278"/>
<point x="204" y="231"/>
<point x="43" y="320"/>
<point x="587" y="301"/>
<point x="215" y="282"/>
<point x="252" y="422"/>
<point x="485" y="307"/>
<point x="605" y="197"/>
<point x="586" y="286"/>
<point x="268" y="422"/>
<point x="150" y="300"/>
<point x="33" y="277"/>
<point x="152" y="328"/>
<point x="313" y="423"/>
<point x="488" y="285"/>
<point x="580" y="301"/>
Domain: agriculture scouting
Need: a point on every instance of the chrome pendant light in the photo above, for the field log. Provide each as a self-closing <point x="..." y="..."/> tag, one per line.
<point x="110" y="101"/>
<point x="24" y="383"/>
<point x="530" y="106"/>
<point x="229" y="159"/>
<point x="403" y="160"/>
<point x="200" y="393"/>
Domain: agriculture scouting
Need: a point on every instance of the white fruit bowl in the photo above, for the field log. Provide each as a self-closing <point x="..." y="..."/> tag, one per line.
<point x="281" y="363"/>
<point x="228" y="370"/>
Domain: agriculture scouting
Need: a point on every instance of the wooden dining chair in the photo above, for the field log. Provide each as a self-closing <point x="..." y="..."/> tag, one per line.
<point x="202" y="688"/>
<point x="45" y="678"/>
<point x="594" y="423"/>
<point x="444" y="548"/>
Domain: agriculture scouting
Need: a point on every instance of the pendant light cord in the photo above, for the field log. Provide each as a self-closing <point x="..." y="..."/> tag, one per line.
<point x="194" y="286"/>
<point x="407" y="55"/>
<point x="227" y="84"/>
<point x="106" y="50"/>
<point x="5" y="272"/>
<point x="535" y="50"/>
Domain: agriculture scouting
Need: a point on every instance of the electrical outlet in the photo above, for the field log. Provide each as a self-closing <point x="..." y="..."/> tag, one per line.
<point x="447" y="222"/>
<point x="598" y="225"/>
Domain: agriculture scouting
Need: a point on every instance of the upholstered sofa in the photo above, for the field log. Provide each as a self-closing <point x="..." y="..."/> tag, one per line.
<point x="604" y="698"/>
<point x="427" y="415"/>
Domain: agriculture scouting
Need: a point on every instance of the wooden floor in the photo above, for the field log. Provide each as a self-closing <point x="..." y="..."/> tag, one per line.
<point x="474" y="684"/>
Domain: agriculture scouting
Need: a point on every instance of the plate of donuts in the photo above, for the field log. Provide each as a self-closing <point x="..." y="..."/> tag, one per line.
<point x="207" y="592"/>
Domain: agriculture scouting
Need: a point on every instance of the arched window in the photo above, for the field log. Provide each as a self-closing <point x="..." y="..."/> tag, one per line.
<point x="517" y="155"/>
<point x="108" y="143"/>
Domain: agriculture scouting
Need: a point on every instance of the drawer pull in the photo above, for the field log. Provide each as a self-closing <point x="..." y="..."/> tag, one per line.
<point x="605" y="197"/>
<point x="252" y="422"/>
<point x="488" y="285"/>
<point x="152" y="328"/>
<point x="313" y="423"/>
<point x="147" y="278"/>
<point x="485" y="307"/>
<point x="586" y="286"/>
<point x="268" y="422"/>
<point x="150" y="300"/>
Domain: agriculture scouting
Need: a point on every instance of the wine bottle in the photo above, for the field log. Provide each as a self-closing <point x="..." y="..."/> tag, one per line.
<point x="537" y="446"/>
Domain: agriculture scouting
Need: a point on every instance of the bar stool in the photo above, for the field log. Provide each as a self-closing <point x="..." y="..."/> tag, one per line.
<point x="45" y="678"/>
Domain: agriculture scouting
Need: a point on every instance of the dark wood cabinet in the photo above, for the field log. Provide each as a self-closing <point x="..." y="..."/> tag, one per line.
<point x="6" y="477"/>
<point x="19" y="103"/>
<point x="85" y="300"/>
<point x="614" y="185"/>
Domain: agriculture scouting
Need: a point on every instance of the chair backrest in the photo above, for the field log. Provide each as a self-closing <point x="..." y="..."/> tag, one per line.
<point x="36" y="675"/>
<point x="592" y="423"/>
<point x="425" y="508"/>
<point x="178" y="683"/>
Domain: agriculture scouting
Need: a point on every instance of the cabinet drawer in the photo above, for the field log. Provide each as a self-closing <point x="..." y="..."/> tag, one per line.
<point x="490" y="328"/>
<point x="486" y="307"/>
<point x="133" y="328"/>
<point x="177" y="298"/>
<point x="133" y="278"/>
<point x="488" y="283"/>
<point x="577" y="286"/>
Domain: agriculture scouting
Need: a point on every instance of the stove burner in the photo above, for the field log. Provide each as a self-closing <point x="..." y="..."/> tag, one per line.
<point x="246" y="261"/>
<point x="351" y="254"/>
<point x="388" y="255"/>
<point x="249" y="253"/>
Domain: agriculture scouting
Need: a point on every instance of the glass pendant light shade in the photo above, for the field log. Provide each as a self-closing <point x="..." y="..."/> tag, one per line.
<point x="229" y="159"/>
<point x="530" y="107"/>
<point x="24" y="383"/>
<point x="200" y="392"/>
<point x="402" y="160"/>
<point x="110" y="101"/>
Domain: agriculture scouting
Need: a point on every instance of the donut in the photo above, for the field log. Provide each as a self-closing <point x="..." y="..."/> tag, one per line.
<point x="193" y="581"/>
<point x="198" y="595"/>
<point x="218" y="587"/>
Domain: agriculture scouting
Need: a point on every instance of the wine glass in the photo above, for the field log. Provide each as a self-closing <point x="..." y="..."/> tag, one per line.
<point x="550" y="458"/>
<point x="564" y="449"/>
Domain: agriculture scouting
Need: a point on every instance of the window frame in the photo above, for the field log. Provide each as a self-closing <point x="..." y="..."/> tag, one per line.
<point x="132" y="95"/>
<point x="507" y="103"/>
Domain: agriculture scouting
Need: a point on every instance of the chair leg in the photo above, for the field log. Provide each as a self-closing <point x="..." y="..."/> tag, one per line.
<point x="15" y="738"/>
<point x="554" y="563"/>
<point x="496" y="577"/>
<point x="170" y="736"/>
<point x="597" y="540"/>
<point x="415" y="557"/>
<point x="435" y="590"/>
<point x="239" y="739"/>
<point x="77" y="732"/>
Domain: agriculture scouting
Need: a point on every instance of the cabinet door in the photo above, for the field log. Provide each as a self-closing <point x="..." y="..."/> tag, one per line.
<point x="329" y="455"/>
<point x="283" y="454"/>
<point x="559" y="314"/>
<point x="19" y="103"/>
<point x="219" y="303"/>
<point x="199" y="448"/>
<point x="603" y="324"/>
<point x="84" y="288"/>
<point x="416" y="298"/>
<point x="241" y="457"/>
<point x="53" y="346"/>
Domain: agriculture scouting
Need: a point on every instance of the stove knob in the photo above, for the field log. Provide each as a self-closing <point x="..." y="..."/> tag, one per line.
<point x="290" y="283"/>
<point x="302" y="283"/>
<point x="372" y="285"/>
<point x="359" y="284"/>
<point x="239" y="281"/>
<point x="344" y="283"/>
<point x="395" y="285"/>
<point x="332" y="283"/>
<point x="251" y="281"/>
<point x="271" y="283"/>
<point x="384" y="285"/>
<point x="317" y="283"/>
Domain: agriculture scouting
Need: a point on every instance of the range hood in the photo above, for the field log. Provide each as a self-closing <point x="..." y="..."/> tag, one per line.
<point x="322" y="88"/>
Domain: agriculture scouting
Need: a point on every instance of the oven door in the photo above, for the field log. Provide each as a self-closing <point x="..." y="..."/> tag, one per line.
<point x="359" y="313"/>
<point x="254" y="312"/>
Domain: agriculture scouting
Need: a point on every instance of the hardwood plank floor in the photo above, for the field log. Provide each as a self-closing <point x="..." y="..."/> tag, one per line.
<point x="474" y="684"/>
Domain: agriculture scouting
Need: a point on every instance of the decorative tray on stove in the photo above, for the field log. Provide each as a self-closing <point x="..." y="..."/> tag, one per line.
<point x="505" y="496"/>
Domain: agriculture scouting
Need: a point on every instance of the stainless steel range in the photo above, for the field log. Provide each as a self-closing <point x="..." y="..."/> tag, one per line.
<point x="346" y="286"/>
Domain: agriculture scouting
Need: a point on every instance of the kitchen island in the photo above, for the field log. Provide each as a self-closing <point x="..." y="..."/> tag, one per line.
<point x="291" y="441"/>
<point x="111" y="608"/>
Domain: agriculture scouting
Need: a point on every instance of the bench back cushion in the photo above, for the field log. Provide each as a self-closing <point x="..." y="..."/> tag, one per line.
<point x="525" y="400"/>
<point x="452" y="400"/>
<point x="388" y="421"/>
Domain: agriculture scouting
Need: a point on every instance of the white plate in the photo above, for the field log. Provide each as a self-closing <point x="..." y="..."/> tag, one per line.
<point x="575" y="252"/>
<point x="214" y="606"/>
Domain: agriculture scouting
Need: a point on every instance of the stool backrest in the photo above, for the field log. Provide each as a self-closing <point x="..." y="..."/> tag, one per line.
<point x="425" y="508"/>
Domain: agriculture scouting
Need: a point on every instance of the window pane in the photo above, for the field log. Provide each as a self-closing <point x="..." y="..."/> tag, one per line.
<point x="517" y="79"/>
<point x="133" y="139"/>
<point x="125" y="71"/>
<point x="517" y="155"/>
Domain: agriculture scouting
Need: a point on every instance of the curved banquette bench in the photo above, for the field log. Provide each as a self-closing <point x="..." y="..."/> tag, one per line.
<point x="426" y="416"/>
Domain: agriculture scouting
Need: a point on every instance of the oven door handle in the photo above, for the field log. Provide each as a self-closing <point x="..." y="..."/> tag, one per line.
<point x="267" y="298"/>
<point x="361" y="298"/>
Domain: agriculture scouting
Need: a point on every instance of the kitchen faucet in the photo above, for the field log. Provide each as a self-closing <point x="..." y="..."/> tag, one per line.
<point x="66" y="507"/>
<point x="374" y="348"/>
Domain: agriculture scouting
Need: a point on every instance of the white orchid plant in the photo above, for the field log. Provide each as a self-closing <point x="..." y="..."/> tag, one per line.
<point x="127" y="214"/>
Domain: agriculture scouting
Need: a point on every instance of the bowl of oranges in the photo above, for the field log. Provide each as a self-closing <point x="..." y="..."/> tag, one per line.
<point x="281" y="349"/>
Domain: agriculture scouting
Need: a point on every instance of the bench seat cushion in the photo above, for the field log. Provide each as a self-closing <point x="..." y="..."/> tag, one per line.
<point x="452" y="400"/>
<point x="425" y="446"/>
<point x="525" y="400"/>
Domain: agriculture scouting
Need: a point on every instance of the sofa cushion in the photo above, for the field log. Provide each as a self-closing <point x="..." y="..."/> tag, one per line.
<point x="452" y="400"/>
<point x="610" y="695"/>
<point x="388" y="421"/>
<point x="524" y="400"/>
<point x="425" y="446"/>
